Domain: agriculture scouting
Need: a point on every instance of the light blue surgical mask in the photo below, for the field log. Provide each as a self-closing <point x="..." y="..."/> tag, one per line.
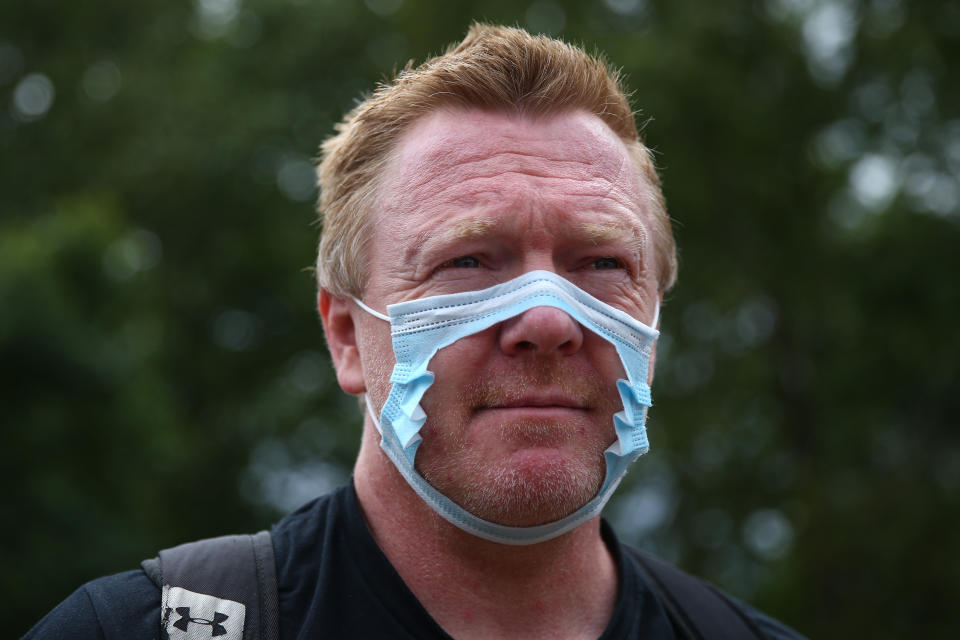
<point x="419" y="328"/>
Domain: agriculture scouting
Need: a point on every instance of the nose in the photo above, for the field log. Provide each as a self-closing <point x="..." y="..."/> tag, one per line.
<point x="541" y="331"/>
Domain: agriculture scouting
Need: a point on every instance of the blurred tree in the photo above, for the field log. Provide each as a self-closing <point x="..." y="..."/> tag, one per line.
<point x="164" y="376"/>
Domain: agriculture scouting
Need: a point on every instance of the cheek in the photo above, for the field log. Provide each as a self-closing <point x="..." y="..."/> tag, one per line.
<point x="456" y="368"/>
<point x="377" y="361"/>
<point x="604" y="358"/>
<point x="464" y="359"/>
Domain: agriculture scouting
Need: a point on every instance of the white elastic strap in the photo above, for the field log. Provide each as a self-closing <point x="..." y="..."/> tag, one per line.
<point x="372" y="312"/>
<point x="373" y="414"/>
<point x="656" y="315"/>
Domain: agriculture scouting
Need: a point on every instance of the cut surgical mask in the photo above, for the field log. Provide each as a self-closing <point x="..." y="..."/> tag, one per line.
<point x="419" y="328"/>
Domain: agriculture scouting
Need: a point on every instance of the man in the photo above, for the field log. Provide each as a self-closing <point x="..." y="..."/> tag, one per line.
<point x="494" y="255"/>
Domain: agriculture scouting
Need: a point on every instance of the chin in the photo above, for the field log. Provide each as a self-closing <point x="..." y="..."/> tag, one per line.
<point x="530" y="489"/>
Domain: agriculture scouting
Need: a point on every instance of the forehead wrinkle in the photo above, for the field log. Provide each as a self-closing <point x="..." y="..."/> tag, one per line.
<point x="439" y="165"/>
<point x="456" y="171"/>
<point x="471" y="190"/>
<point x="637" y="192"/>
<point x="628" y="176"/>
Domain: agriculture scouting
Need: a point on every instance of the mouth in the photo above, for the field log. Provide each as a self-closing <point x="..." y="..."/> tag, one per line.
<point x="544" y="402"/>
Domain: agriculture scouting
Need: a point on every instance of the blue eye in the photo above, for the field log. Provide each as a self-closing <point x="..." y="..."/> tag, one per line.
<point x="464" y="262"/>
<point x="606" y="263"/>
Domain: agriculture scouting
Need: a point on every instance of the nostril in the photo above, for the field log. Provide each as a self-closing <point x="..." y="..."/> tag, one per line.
<point x="527" y="345"/>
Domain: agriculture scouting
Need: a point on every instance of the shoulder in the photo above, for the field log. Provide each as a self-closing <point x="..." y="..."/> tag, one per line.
<point x="772" y="629"/>
<point x="693" y="603"/>
<point x="125" y="605"/>
<point x="308" y="531"/>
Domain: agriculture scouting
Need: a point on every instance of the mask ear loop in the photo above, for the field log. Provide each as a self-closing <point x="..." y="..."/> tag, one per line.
<point x="372" y="312"/>
<point x="373" y="414"/>
<point x="366" y="396"/>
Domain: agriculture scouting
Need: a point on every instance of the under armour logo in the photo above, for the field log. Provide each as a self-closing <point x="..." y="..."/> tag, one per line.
<point x="188" y="615"/>
<point x="216" y="628"/>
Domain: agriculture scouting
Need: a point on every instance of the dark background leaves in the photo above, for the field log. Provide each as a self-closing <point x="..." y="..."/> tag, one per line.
<point x="164" y="376"/>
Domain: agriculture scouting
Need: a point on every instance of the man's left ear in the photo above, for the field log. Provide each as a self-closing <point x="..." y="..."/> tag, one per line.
<point x="339" y="328"/>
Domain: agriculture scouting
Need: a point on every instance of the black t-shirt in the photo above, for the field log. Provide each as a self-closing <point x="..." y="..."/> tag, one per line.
<point x="334" y="582"/>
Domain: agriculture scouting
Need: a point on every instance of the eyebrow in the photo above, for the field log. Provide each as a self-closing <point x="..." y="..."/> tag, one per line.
<point x="477" y="228"/>
<point x="462" y="230"/>
<point x="605" y="232"/>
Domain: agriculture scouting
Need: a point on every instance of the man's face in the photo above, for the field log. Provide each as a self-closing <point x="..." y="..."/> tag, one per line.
<point x="520" y="414"/>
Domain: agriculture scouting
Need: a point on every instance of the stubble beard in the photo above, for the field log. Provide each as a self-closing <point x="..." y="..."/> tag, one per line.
<point x="515" y="495"/>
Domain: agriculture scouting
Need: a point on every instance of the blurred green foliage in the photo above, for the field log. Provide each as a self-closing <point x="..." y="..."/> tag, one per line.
<point x="164" y="374"/>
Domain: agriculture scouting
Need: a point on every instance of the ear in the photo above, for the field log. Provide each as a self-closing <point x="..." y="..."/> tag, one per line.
<point x="341" y="340"/>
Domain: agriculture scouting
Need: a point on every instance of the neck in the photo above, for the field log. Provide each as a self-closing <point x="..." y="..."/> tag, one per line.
<point x="565" y="587"/>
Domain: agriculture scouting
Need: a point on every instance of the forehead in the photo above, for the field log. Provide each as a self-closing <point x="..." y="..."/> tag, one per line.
<point x="461" y="155"/>
<point x="451" y="135"/>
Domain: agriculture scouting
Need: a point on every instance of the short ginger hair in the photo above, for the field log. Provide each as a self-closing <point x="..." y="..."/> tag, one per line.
<point x="494" y="68"/>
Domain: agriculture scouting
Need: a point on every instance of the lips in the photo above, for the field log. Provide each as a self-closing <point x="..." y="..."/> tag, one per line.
<point x="537" y="401"/>
<point x="538" y="390"/>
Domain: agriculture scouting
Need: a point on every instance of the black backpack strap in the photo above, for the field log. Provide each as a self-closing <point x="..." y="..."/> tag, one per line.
<point x="698" y="610"/>
<point x="227" y="584"/>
